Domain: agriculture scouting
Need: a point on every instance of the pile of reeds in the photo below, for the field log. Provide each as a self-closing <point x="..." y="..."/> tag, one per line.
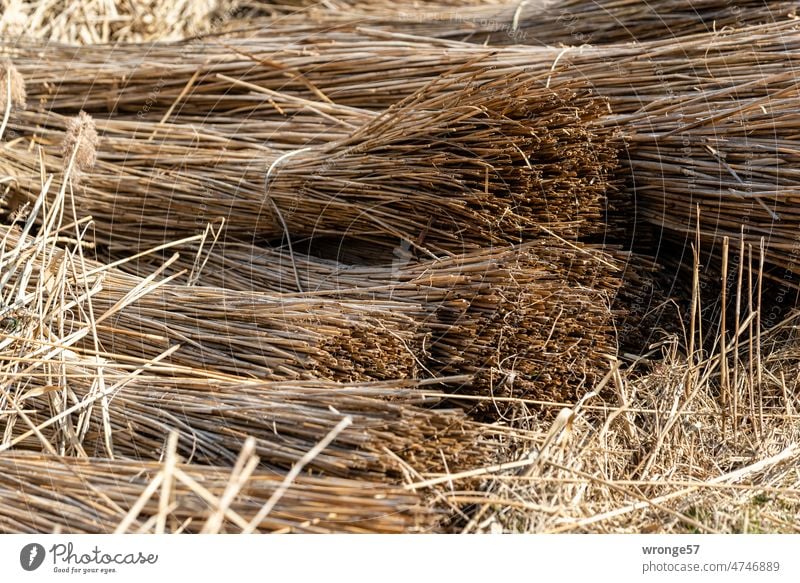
<point x="47" y="493"/>
<point x="537" y="22"/>
<point x="465" y="164"/>
<point x="371" y="69"/>
<point x="521" y="311"/>
<point x="442" y="206"/>
<point x="65" y="392"/>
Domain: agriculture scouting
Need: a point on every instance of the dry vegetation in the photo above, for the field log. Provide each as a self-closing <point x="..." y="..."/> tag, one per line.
<point x="366" y="267"/>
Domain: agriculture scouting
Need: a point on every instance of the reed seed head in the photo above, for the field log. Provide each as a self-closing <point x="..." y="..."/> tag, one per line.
<point x="81" y="141"/>
<point x="18" y="93"/>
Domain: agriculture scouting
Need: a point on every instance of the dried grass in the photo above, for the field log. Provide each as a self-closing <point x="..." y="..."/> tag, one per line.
<point x="101" y="21"/>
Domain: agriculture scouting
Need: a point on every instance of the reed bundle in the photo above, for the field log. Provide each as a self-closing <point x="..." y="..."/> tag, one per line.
<point x="263" y="335"/>
<point x="372" y="69"/>
<point x="45" y="493"/>
<point x="637" y="306"/>
<point x="525" y="309"/>
<point x="481" y="163"/>
<point x="538" y="22"/>
<point x="528" y="308"/>
<point x="260" y="334"/>
<point x="722" y="160"/>
<point x="393" y="423"/>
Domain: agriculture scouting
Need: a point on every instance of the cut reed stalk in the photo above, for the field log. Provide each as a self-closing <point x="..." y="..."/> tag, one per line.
<point x="372" y="69"/>
<point x="44" y="494"/>
<point x="536" y="22"/>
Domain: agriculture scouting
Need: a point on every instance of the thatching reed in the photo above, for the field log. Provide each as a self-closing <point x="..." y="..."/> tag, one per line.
<point x="67" y="393"/>
<point x="45" y="493"/>
<point x="637" y="300"/>
<point x="394" y="425"/>
<point x="462" y="165"/>
<point x="372" y="69"/>
<point x="537" y="22"/>
<point x="261" y="335"/>
<point x="520" y="312"/>
<point x="722" y="160"/>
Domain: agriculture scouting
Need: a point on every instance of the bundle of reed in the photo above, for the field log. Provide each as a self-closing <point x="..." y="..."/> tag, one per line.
<point x="374" y="69"/>
<point x="461" y="165"/>
<point x="48" y="493"/>
<point x="536" y="305"/>
<point x="573" y="22"/>
<point x="722" y="161"/>
<point x="542" y="310"/>
<point x="539" y="22"/>
<point x="533" y="323"/>
<point x="263" y="335"/>
<point x="394" y="424"/>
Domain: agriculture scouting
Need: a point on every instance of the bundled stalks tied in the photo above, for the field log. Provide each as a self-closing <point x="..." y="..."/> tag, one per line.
<point x="723" y="161"/>
<point x="372" y="69"/>
<point x="478" y="164"/>
<point x="393" y="424"/>
<point x="542" y="312"/>
<point x="536" y="22"/>
<point x="46" y="493"/>
<point x="262" y="335"/>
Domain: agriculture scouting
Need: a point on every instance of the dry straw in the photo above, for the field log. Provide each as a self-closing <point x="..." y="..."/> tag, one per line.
<point x="12" y="92"/>
<point x="103" y="21"/>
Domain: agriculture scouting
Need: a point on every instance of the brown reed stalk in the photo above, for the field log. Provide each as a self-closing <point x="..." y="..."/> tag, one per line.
<point x="46" y="493"/>
<point x="537" y="22"/>
<point x="483" y="163"/>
